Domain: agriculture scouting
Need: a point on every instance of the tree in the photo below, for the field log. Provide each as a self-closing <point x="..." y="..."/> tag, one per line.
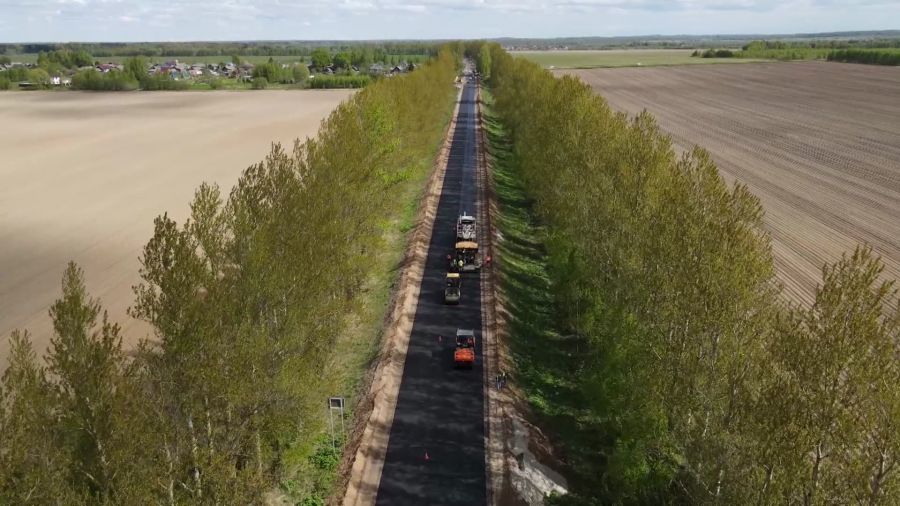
<point x="39" y="77"/>
<point x="136" y="67"/>
<point x="34" y="465"/>
<point x="839" y="369"/>
<point x="484" y="61"/>
<point x="86" y="361"/>
<point x="321" y="58"/>
<point x="342" y="60"/>
<point x="300" y="73"/>
<point x="236" y="60"/>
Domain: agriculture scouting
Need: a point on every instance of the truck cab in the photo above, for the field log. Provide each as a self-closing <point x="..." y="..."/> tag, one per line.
<point x="464" y="355"/>
<point x="465" y="257"/>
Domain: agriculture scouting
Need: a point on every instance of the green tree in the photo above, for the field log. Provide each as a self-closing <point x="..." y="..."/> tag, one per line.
<point x="85" y="359"/>
<point x="321" y="58"/>
<point x="484" y="61"/>
<point x="136" y="68"/>
<point x="342" y="60"/>
<point x="300" y="73"/>
<point x="34" y="465"/>
<point x="39" y="77"/>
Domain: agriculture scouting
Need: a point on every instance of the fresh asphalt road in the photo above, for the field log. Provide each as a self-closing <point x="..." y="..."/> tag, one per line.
<point x="440" y="409"/>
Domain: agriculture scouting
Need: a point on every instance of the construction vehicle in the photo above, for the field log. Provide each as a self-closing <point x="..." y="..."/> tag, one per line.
<point x="452" y="291"/>
<point x="464" y="355"/>
<point x="466" y="228"/>
<point x="465" y="257"/>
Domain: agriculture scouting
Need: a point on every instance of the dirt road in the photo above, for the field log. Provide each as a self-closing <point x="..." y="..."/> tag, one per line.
<point x="83" y="175"/>
<point x="818" y="142"/>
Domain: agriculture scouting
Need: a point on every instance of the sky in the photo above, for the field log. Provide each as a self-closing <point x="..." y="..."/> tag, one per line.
<point x="189" y="20"/>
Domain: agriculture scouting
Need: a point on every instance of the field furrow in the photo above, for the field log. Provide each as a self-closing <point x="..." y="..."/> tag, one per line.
<point x="818" y="142"/>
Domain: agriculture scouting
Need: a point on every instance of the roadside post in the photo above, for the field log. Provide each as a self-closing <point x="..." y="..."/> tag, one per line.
<point x="335" y="404"/>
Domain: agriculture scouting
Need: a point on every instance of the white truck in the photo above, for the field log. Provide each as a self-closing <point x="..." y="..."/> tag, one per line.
<point x="466" y="228"/>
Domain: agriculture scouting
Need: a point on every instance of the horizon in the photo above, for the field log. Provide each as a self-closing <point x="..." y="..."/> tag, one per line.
<point x="647" y="36"/>
<point x="85" y="21"/>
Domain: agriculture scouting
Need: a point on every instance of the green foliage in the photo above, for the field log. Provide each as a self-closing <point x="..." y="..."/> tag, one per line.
<point x="260" y="83"/>
<point x="248" y="299"/>
<point x="16" y="74"/>
<point x="323" y="81"/>
<point x="777" y="50"/>
<point x="65" y="58"/>
<point x="300" y="73"/>
<point x="694" y="384"/>
<point x="5" y="60"/>
<point x="716" y="53"/>
<point x="866" y="56"/>
<point x="342" y="60"/>
<point x="113" y="80"/>
<point x="161" y="82"/>
<point x="136" y="67"/>
<point x="38" y="77"/>
<point x="5" y="84"/>
<point x="271" y="73"/>
<point x="320" y="58"/>
<point x="484" y="61"/>
<point x="73" y="432"/>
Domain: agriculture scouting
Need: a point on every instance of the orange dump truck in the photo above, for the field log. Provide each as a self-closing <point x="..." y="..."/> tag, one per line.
<point x="464" y="355"/>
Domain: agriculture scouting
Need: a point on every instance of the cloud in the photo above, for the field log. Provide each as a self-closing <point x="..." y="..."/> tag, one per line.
<point x="383" y="19"/>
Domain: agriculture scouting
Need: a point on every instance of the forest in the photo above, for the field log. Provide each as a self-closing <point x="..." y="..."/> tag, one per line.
<point x="250" y="300"/>
<point x="696" y="382"/>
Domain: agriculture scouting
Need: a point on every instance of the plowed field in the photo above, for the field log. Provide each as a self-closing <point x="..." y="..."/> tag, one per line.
<point x="82" y="175"/>
<point x="818" y="142"/>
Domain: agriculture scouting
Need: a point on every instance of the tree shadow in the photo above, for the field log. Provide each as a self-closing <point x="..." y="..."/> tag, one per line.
<point x="548" y="363"/>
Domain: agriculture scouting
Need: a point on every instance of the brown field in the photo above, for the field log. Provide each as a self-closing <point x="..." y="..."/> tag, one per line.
<point x="83" y="175"/>
<point x="818" y="142"/>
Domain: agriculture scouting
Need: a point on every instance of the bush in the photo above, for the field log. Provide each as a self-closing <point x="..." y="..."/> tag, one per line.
<point x="716" y="53"/>
<point x="98" y="81"/>
<point x="4" y="83"/>
<point x="162" y="82"/>
<point x="329" y="81"/>
<point x="300" y="73"/>
<point x="260" y="83"/>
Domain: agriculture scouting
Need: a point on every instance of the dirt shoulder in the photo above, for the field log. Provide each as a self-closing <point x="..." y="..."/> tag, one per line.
<point x="367" y="445"/>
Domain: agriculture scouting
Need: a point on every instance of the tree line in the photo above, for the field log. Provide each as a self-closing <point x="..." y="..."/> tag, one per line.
<point x="866" y="56"/>
<point x="246" y="299"/>
<point x="378" y="51"/>
<point x="703" y="385"/>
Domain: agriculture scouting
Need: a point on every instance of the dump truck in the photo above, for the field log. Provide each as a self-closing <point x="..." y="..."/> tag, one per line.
<point x="452" y="292"/>
<point x="466" y="228"/>
<point x="465" y="257"/>
<point x="464" y="355"/>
